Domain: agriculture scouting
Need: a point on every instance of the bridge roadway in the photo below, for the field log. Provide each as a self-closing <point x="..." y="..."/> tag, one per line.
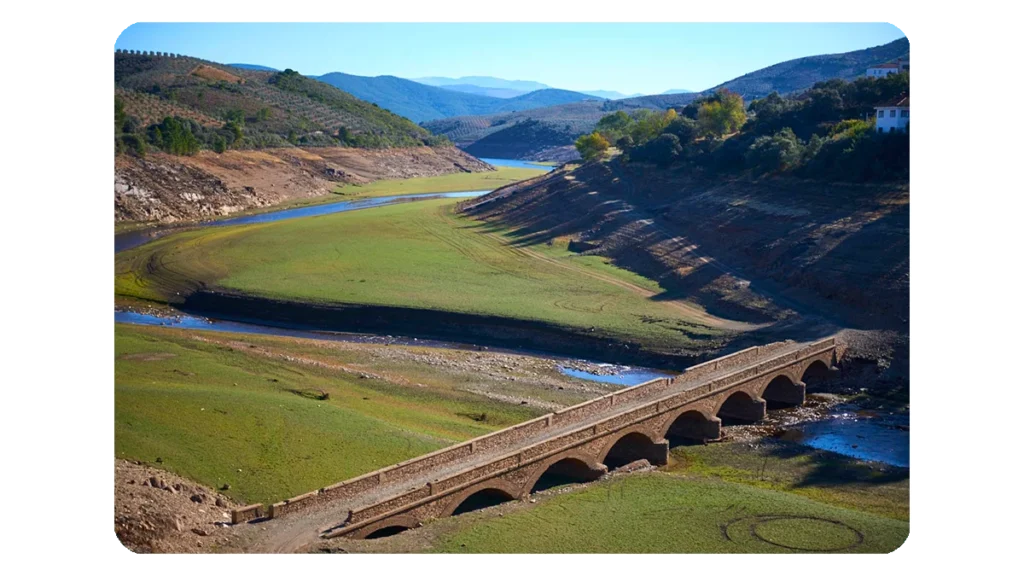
<point x="403" y="495"/>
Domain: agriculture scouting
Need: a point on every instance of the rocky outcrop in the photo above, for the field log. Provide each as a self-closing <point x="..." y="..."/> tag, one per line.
<point x="161" y="188"/>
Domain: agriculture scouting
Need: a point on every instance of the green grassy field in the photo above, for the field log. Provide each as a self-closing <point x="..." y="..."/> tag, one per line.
<point x="782" y="466"/>
<point x="463" y="181"/>
<point x="421" y="255"/>
<point x="241" y="410"/>
<point x="665" y="513"/>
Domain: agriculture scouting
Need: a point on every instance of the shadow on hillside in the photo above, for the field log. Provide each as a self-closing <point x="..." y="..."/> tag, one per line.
<point x="737" y="262"/>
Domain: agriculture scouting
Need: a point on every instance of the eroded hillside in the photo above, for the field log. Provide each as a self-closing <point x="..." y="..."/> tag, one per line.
<point x="779" y="251"/>
<point x="165" y="188"/>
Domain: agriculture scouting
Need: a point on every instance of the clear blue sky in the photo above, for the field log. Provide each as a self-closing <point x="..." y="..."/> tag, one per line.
<point x="648" y="58"/>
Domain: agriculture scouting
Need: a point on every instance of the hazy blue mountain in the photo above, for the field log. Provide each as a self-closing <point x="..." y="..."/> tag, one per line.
<point x="484" y="91"/>
<point x="254" y="67"/>
<point x="420" y="102"/>
<point x="678" y="91"/>
<point x="609" y="94"/>
<point x="483" y="82"/>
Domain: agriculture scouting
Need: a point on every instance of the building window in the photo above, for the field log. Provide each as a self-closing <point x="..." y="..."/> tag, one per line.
<point x="892" y="113"/>
<point x="904" y="113"/>
<point x="881" y="113"/>
<point x="892" y="128"/>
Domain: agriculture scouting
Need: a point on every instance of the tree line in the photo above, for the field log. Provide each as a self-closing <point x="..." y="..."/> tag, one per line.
<point x="827" y="132"/>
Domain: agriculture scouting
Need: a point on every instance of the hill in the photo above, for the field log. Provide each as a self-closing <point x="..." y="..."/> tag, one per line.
<point x="573" y="120"/>
<point x="559" y="126"/>
<point x="265" y="109"/>
<point x="802" y="73"/>
<point x="421" y="102"/>
<point x="197" y="139"/>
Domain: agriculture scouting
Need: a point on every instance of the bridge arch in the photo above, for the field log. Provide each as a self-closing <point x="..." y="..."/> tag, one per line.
<point x="815" y="374"/>
<point x="740" y="406"/>
<point x="485" y="495"/>
<point x="690" y="426"/>
<point x="564" y="469"/>
<point x="631" y="445"/>
<point x="782" y="391"/>
<point x="391" y="526"/>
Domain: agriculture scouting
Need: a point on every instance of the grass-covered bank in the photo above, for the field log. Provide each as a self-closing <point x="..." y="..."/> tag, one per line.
<point x="275" y="417"/>
<point x="463" y="181"/>
<point x="663" y="513"/>
<point x="416" y="255"/>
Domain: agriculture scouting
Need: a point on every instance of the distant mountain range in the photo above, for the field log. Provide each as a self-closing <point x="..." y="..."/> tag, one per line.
<point x="500" y="136"/>
<point x="421" y="102"/>
<point x="522" y="86"/>
<point x="254" y="67"/>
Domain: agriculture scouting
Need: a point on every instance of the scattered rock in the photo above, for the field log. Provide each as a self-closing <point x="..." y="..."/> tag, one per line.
<point x="200" y="532"/>
<point x="634" y="466"/>
<point x="197" y="498"/>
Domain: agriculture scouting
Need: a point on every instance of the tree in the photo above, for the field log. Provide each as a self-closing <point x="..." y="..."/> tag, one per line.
<point x="614" y="126"/>
<point x="219" y="145"/>
<point x="685" y="129"/>
<point x="663" y="150"/>
<point x="131" y="125"/>
<point x="777" y="153"/>
<point x="721" y="117"/>
<point x="591" y="146"/>
<point x="119" y="115"/>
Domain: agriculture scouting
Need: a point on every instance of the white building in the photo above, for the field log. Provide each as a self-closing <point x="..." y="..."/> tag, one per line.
<point x="893" y="116"/>
<point x="896" y="67"/>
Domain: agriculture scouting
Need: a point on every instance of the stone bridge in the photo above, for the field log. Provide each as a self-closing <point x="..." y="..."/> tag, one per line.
<point x="578" y="443"/>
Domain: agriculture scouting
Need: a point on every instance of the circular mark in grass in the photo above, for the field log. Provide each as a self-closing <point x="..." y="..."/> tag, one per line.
<point x="801" y="533"/>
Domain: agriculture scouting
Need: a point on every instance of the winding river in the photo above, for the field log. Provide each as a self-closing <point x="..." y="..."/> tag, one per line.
<point x="865" y="436"/>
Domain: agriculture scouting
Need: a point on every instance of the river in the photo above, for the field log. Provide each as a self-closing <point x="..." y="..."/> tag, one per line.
<point x="844" y="430"/>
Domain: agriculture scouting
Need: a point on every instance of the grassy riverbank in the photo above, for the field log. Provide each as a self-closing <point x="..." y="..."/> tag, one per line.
<point x="415" y="255"/>
<point x="250" y="410"/>
<point x="464" y="181"/>
<point x="663" y="513"/>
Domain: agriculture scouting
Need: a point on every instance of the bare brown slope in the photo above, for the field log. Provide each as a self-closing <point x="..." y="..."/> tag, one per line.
<point x="806" y="253"/>
<point x="164" y="188"/>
